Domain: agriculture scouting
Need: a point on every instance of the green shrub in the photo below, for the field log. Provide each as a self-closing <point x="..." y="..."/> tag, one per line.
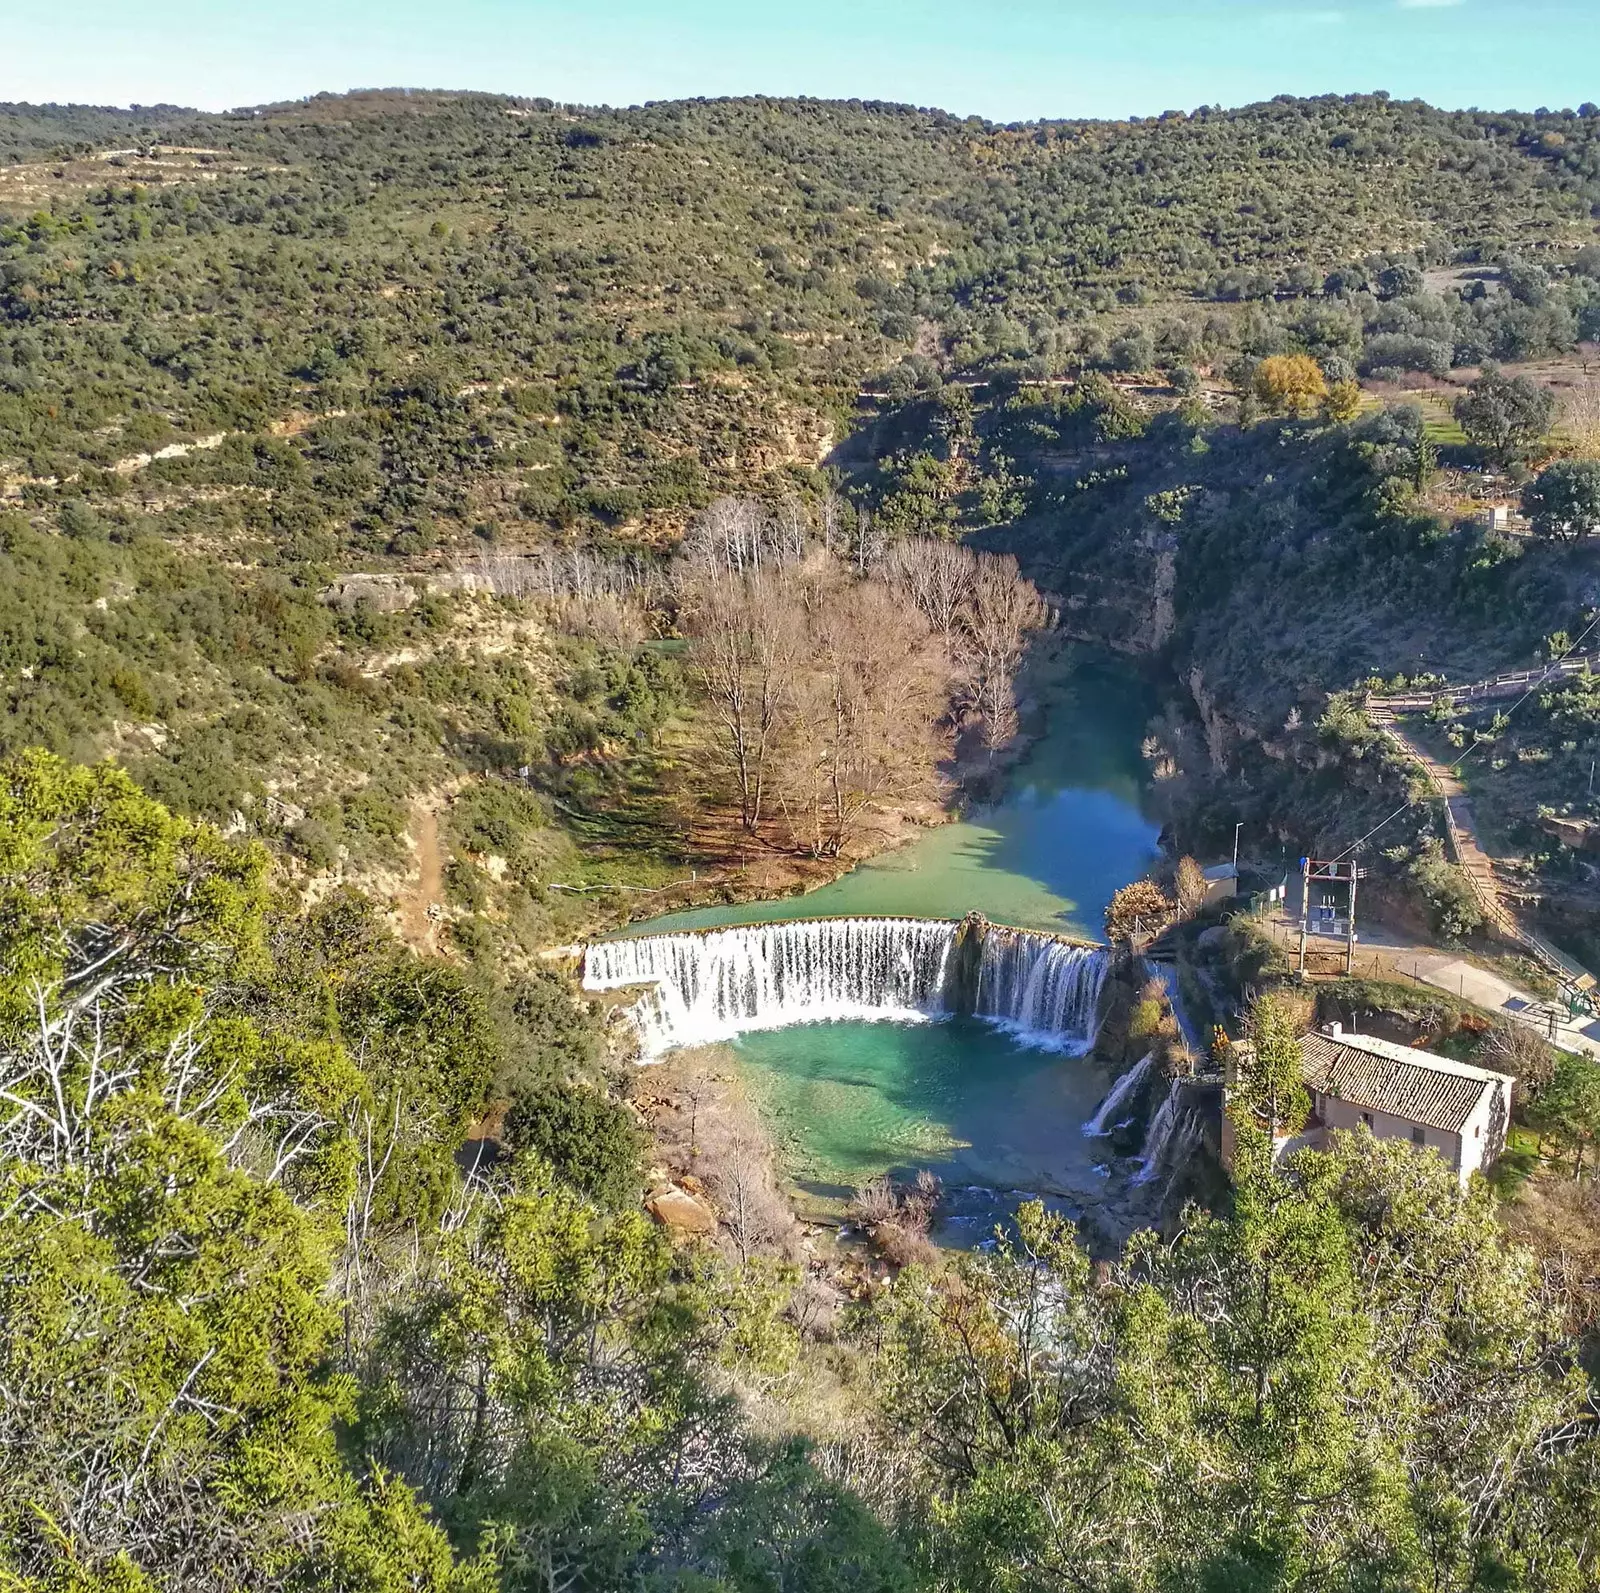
<point x="592" y="1142"/>
<point x="493" y="816"/>
<point x="1444" y="889"/>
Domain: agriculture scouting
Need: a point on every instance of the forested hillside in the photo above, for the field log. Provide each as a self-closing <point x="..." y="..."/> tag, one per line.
<point x="403" y="324"/>
<point x="259" y="1329"/>
<point x="391" y="333"/>
<point x="485" y="520"/>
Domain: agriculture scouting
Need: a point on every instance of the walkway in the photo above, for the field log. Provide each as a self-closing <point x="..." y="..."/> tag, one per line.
<point x="1577" y="983"/>
<point x="1508" y="685"/>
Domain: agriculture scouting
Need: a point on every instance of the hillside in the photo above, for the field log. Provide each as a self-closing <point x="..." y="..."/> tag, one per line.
<point x="393" y="333"/>
<point x="438" y="528"/>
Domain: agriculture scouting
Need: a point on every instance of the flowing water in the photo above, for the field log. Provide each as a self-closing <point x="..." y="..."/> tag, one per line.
<point x="1121" y="1094"/>
<point x="1169" y="1129"/>
<point x="863" y="1054"/>
<point x="701" y="987"/>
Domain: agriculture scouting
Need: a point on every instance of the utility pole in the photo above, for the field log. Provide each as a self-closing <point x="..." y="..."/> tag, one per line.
<point x="1350" y="926"/>
<point x="1305" y="908"/>
<point x="1330" y="873"/>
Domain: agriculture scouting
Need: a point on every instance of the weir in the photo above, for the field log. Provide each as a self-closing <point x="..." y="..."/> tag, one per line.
<point x="705" y="986"/>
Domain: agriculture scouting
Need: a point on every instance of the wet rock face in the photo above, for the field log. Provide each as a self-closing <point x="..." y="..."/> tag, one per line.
<point x="965" y="966"/>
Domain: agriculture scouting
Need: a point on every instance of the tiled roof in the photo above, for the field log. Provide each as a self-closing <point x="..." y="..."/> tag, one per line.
<point x="1434" y="1091"/>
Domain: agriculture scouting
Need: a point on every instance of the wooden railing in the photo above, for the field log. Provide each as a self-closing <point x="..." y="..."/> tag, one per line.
<point x="1508" y="685"/>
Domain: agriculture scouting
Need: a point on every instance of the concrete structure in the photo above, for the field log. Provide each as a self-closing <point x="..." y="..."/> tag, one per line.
<point x="1431" y="1102"/>
<point x="1222" y="883"/>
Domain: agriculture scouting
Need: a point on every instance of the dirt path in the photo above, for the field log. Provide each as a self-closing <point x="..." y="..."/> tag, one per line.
<point x="1476" y="863"/>
<point x="422" y="905"/>
<point x="1460" y="822"/>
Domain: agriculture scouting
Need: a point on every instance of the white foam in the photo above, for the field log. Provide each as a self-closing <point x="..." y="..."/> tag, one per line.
<point x="1096" y="1127"/>
<point x="701" y="988"/>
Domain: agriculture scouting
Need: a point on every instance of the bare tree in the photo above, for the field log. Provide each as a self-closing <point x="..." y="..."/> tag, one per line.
<point x="939" y="577"/>
<point x="748" y="642"/>
<point x="1003" y="610"/>
<point x="705" y="1124"/>
<point x="871" y="699"/>
<point x="836" y="522"/>
<point x="1190" y="884"/>
<point x="828" y="687"/>
<point x="727" y="539"/>
<point x="558" y="573"/>
<point x="1580" y="417"/>
<point x="737" y="536"/>
<point x="790" y="533"/>
<point x="1519" y="1049"/>
<point x="754" y="1213"/>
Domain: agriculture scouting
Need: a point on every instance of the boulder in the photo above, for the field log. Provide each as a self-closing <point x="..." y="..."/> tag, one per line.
<point x="677" y="1209"/>
<point x="1579" y="834"/>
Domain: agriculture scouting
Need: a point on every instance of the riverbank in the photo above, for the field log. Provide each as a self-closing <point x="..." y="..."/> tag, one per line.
<point x="996" y="1113"/>
<point x="1071" y="827"/>
<point x="734" y="873"/>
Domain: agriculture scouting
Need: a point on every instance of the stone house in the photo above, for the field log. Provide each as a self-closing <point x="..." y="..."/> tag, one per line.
<point x="1433" y="1103"/>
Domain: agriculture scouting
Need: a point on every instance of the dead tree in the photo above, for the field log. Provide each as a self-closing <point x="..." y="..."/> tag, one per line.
<point x="1004" y="609"/>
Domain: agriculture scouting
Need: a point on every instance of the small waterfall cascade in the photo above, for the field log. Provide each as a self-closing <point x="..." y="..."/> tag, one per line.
<point x="697" y="987"/>
<point x="1168" y="975"/>
<point x="1171" y="1129"/>
<point x="1045" y="991"/>
<point x="708" y="987"/>
<point x="1099" y="1125"/>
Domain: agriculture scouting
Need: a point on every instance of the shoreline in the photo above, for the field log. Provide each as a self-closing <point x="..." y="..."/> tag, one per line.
<point x="976" y="782"/>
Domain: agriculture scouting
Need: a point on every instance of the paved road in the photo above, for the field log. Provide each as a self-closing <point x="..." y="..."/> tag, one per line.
<point x="1382" y="952"/>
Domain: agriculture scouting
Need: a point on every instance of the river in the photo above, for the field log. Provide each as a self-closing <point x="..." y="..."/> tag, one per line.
<point x="849" y="1100"/>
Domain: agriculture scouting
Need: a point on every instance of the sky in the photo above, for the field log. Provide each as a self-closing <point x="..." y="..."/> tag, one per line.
<point x="1009" y="60"/>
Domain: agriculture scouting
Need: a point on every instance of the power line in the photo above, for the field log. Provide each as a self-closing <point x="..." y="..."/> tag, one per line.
<point x="1460" y="763"/>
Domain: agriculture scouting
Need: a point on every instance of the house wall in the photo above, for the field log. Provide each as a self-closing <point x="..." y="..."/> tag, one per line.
<point x="1483" y="1135"/>
<point x="1386" y="1125"/>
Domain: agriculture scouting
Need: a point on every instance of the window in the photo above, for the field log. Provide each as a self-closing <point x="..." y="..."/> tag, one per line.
<point x="1366" y="1117"/>
<point x="1418" y="1137"/>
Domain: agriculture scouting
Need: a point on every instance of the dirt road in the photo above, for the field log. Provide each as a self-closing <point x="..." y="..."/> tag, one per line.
<point x="422" y="905"/>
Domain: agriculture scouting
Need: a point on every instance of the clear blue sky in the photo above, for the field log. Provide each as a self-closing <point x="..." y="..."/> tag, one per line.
<point x="1006" y="59"/>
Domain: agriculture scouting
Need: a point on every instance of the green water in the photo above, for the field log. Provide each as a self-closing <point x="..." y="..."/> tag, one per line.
<point x="1071" y="830"/>
<point x="848" y="1101"/>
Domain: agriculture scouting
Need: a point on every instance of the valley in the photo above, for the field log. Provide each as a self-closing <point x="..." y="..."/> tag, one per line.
<point x="653" y="768"/>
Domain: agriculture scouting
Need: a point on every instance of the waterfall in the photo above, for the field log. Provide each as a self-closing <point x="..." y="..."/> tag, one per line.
<point x="699" y="987"/>
<point x="709" y="987"/>
<point x="1170" y="1129"/>
<point x="1044" y="991"/>
<point x="1097" y="1126"/>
